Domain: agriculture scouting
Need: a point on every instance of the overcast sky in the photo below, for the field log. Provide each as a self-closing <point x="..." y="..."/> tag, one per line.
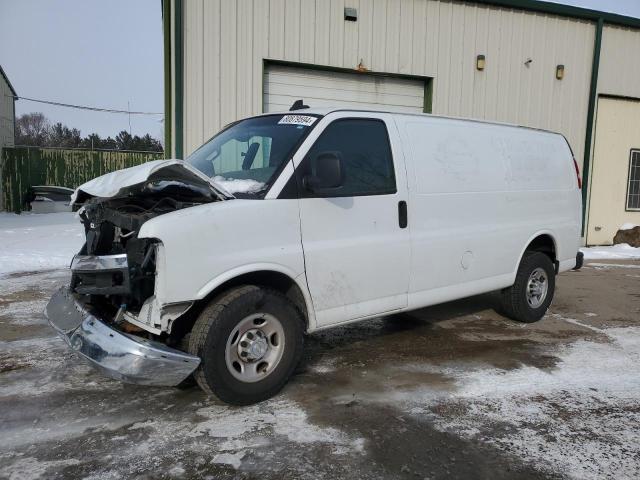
<point x="106" y="53"/>
<point x="101" y="53"/>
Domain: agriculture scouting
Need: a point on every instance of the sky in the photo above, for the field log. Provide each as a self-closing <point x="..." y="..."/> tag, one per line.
<point x="630" y="8"/>
<point x="105" y="53"/>
<point x="101" y="53"/>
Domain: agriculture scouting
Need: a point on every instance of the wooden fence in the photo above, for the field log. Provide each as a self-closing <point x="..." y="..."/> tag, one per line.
<point x="23" y="167"/>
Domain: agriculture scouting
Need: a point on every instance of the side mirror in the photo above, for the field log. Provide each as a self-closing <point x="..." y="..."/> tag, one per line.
<point x="327" y="172"/>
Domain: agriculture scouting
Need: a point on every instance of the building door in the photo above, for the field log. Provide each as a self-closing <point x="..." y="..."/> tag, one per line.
<point x="283" y="85"/>
<point x="615" y="180"/>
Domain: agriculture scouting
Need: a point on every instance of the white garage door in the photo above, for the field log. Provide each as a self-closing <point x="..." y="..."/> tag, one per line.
<point x="284" y="85"/>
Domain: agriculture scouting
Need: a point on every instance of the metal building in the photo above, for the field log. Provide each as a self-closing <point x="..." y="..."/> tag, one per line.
<point x="539" y="64"/>
<point x="7" y="119"/>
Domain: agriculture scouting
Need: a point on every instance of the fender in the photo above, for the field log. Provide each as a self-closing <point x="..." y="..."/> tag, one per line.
<point x="299" y="280"/>
<point x="531" y="239"/>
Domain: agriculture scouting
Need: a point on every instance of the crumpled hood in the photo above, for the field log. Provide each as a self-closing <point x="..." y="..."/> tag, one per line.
<point x="116" y="183"/>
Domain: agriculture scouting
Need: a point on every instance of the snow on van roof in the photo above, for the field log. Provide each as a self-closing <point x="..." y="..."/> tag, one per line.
<point x="327" y="110"/>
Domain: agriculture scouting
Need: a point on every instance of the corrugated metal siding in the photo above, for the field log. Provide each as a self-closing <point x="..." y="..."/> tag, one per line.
<point x="620" y="62"/>
<point x="283" y="85"/>
<point x="226" y="42"/>
<point x="7" y="128"/>
<point x="6" y="115"/>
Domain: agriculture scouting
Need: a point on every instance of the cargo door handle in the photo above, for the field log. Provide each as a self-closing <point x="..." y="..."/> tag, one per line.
<point x="402" y="214"/>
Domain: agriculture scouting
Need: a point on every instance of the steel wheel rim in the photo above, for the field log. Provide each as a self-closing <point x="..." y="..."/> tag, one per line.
<point x="537" y="288"/>
<point x="254" y="347"/>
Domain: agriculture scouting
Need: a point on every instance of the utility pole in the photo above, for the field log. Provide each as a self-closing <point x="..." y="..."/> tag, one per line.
<point x="129" y="110"/>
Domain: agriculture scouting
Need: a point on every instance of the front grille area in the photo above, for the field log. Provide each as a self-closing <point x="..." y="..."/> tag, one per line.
<point x="100" y="275"/>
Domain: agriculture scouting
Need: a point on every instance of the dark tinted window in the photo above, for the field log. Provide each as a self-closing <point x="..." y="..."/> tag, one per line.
<point x="366" y="154"/>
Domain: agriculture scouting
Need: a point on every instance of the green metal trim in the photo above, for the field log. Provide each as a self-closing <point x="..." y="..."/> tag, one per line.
<point x="428" y="96"/>
<point x="330" y="68"/>
<point x="618" y="97"/>
<point x="565" y="11"/>
<point x="179" y="79"/>
<point x="593" y="97"/>
<point x="264" y="67"/>
<point x="166" y="30"/>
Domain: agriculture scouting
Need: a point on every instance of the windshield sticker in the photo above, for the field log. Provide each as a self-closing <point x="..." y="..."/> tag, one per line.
<point x="305" y="120"/>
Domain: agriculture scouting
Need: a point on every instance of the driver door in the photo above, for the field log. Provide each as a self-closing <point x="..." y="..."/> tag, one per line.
<point x="355" y="237"/>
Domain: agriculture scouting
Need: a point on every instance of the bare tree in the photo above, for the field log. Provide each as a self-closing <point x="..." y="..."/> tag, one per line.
<point x="32" y="129"/>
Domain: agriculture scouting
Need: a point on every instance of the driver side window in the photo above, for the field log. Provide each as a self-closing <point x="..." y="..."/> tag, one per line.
<point x="364" y="147"/>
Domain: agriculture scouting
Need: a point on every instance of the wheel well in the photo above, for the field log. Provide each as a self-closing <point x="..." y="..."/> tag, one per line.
<point x="544" y="244"/>
<point x="268" y="278"/>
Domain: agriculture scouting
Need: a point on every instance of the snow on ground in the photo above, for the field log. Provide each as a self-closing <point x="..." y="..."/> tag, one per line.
<point x="38" y="242"/>
<point x="620" y="251"/>
<point x="554" y="417"/>
<point x="627" y="226"/>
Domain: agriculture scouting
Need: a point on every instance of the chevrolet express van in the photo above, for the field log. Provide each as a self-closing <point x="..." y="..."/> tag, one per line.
<point x="215" y="267"/>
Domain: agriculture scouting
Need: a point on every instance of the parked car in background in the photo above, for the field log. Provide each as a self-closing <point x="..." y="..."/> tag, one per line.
<point x="289" y="223"/>
<point x="49" y="199"/>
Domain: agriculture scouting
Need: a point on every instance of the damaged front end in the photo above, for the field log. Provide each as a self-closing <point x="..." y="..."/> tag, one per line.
<point x="113" y="278"/>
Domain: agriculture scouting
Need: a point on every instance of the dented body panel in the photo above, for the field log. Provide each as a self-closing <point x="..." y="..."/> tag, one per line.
<point x="114" y="183"/>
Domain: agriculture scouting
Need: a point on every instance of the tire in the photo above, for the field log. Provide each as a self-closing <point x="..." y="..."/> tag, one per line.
<point x="517" y="304"/>
<point x="228" y="325"/>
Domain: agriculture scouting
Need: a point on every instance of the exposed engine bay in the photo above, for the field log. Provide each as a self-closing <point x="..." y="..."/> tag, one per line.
<point x="115" y="268"/>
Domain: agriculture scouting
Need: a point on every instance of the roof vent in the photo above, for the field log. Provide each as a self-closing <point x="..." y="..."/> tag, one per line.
<point x="298" y="105"/>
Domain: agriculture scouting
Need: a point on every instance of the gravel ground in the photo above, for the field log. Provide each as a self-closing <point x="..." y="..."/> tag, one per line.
<point x="454" y="391"/>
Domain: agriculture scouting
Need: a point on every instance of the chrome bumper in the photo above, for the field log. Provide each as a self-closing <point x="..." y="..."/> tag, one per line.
<point x="119" y="355"/>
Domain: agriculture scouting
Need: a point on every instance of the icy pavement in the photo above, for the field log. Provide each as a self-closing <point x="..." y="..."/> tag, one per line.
<point x="37" y="242"/>
<point x="453" y="391"/>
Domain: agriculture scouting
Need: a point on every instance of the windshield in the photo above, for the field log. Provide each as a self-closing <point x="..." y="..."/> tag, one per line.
<point x="246" y="158"/>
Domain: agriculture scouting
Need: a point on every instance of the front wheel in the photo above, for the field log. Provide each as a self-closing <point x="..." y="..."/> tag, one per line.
<point x="249" y="341"/>
<point x="531" y="294"/>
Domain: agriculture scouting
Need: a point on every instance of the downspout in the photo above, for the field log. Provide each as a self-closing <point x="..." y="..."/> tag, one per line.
<point x="593" y="95"/>
<point x="179" y="79"/>
<point x="166" y="30"/>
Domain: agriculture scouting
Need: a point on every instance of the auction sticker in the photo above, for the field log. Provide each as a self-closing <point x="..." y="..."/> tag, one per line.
<point x="305" y="120"/>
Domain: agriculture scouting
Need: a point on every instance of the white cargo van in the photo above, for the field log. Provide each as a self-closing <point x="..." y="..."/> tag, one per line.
<point x="288" y="223"/>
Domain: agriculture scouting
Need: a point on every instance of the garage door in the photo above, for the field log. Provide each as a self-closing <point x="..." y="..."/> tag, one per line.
<point x="284" y="85"/>
<point x="615" y="181"/>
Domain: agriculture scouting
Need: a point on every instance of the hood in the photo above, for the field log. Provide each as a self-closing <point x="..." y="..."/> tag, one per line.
<point x="117" y="183"/>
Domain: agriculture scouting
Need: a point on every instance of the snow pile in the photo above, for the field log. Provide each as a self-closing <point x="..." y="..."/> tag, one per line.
<point x="612" y="369"/>
<point x="237" y="185"/>
<point x="620" y="251"/>
<point x="628" y="226"/>
<point x="36" y="242"/>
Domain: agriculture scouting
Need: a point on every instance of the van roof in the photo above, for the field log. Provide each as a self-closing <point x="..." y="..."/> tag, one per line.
<point x="327" y="110"/>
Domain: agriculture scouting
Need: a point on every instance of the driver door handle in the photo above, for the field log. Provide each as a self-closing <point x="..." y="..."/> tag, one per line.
<point x="402" y="214"/>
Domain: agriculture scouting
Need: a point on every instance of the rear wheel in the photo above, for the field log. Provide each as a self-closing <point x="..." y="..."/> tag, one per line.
<point x="249" y="341"/>
<point x="528" y="299"/>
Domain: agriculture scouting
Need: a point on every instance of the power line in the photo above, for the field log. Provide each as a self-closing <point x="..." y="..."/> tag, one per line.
<point x="83" y="107"/>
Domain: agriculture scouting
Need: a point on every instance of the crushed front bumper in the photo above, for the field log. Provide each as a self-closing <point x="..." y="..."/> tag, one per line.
<point x="128" y="358"/>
